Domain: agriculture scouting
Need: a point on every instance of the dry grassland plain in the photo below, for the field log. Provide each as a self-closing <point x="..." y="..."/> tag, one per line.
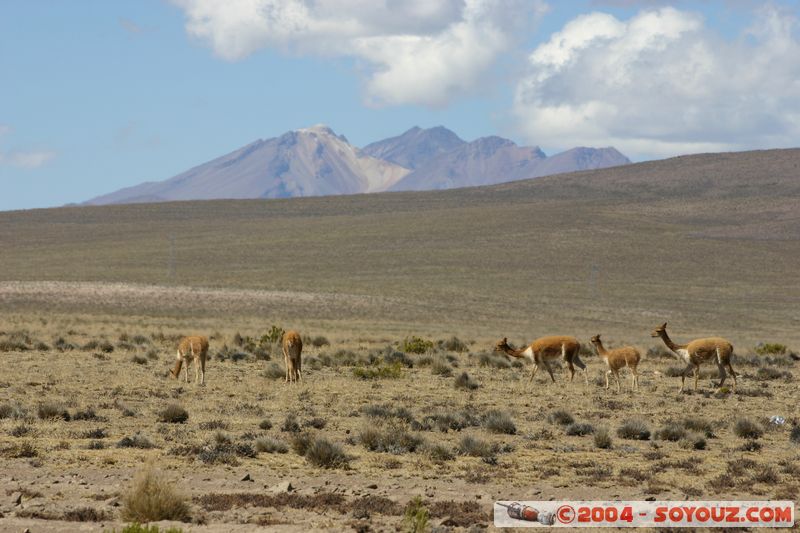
<point x="93" y="301"/>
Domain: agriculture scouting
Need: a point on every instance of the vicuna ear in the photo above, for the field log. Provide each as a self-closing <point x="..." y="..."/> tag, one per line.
<point x="664" y="325"/>
<point x="505" y="340"/>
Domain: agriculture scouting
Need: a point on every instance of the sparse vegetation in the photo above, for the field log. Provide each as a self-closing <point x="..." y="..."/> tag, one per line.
<point x="747" y="429"/>
<point x="634" y="429"/>
<point x="602" y="439"/>
<point x="498" y="422"/>
<point x="325" y="454"/>
<point x="416" y="345"/>
<point x="560" y="417"/>
<point x="173" y="414"/>
<point x="153" y="498"/>
<point x="52" y="411"/>
<point x="465" y="382"/>
<point x="271" y="445"/>
<point x="416" y="517"/>
<point x="579" y="429"/>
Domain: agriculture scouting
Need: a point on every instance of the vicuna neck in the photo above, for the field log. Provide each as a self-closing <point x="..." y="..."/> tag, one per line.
<point x="177" y="368"/>
<point x="511" y="351"/>
<point x="599" y="346"/>
<point x="671" y="345"/>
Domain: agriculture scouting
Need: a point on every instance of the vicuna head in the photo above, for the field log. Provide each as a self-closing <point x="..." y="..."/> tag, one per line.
<point x="659" y="330"/>
<point x="596" y="339"/>
<point x="501" y="345"/>
<point x="176" y="370"/>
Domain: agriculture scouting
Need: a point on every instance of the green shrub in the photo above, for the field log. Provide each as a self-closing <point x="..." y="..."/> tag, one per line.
<point x="416" y="345"/>
<point x="152" y="498"/>
<point x="416" y="516"/>
<point x="771" y="348"/>
<point x="393" y="371"/>
<point x="274" y="335"/>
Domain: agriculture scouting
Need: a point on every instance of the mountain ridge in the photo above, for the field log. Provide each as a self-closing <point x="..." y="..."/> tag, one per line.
<point x="316" y="161"/>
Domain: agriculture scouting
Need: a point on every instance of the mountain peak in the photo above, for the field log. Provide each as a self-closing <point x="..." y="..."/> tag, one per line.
<point x="415" y="147"/>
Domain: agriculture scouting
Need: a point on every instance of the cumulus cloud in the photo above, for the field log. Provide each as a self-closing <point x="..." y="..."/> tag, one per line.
<point x="662" y="83"/>
<point x="415" y="51"/>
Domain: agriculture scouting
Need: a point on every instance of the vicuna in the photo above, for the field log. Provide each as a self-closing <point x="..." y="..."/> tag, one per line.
<point x="196" y="348"/>
<point x="546" y="349"/>
<point x="292" y="348"/>
<point x="618" y="358"/>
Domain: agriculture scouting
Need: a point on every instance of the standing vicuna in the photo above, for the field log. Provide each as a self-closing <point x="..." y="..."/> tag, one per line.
<point x="546" y="349"/>
<point x="196" y="348"/>
<point x="292" y="347"/>
<point x="700" y="351"/>
<point x="618" y="358"/>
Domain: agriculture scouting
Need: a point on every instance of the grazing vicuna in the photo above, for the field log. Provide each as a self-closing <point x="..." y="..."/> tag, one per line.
<point x="546" y="349"/>
<point x="196" y="348"/>
<point x="700" y="351"/>
<point x="618" y="358"/>
<point x="292" y="348"/>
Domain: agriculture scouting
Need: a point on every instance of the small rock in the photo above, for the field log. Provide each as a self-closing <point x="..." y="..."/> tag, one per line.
<point x="16" y="498"/>
<point x="650" y="499"/>
<point x="247" y="478"/>
<point x="373" y="486"/>
<point x="284" y="486"/>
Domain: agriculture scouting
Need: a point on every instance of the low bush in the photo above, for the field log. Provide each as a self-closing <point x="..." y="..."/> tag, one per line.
<point x="438" y="452"/>
<point x="579" y="429"/>
<point x="326" y="454"/>
<point x="173" y="414"/>
<point x="453" y="344"/>
<point x="271" y="445"/>
<point x="771" y="348"/>
<point x="498" y="422"/>
<point x="290" y="424"/>
<point x="561" y="417"/>
<point x="747" y="429"/>
<point x="602" y="439"/>
<point x="465" y="382"/>
<point x="440" y="367"/>
<point x="794" y="435"/>
<point x="693" y="441"/>
<point x="634" y="429"/>
<point x="137" y="441"/>
<point x="416" y="345"/>
<point x="152" y="498"/>
<point x="393" y="439"/>
<point x="274" y="371"/>
<point x="387" y="411"/>
<point x="671" y="432"/>
<point x="52" y="410"/>
<point x="393" y="371"/>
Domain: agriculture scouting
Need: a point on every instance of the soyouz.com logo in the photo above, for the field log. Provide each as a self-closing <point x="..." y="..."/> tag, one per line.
<point x="644" y="514"/>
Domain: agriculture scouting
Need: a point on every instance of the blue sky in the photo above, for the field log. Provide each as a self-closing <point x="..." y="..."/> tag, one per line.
<point x="98" y="95"/>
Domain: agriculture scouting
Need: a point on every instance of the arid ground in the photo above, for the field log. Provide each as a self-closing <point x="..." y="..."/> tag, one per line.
<point x="94" y="299"/>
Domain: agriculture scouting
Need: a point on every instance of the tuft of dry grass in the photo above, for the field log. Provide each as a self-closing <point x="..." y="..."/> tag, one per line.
<point x="747" y="429"/>
<point x="173" y="414"/>
<point x="634" y="429"/>
<point x="153" y="498"/>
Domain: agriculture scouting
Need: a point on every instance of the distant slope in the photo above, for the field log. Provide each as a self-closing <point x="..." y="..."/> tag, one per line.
<point x="317" y="162"/>
<point x="492" y="160"/>
<point x="415" y="147"/>
<point x="709" y="243"/>
<point x="307" y="162"/>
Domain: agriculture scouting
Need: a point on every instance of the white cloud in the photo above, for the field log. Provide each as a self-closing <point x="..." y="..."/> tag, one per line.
<point x="32" y="159"/>
<point x="415" y="51"/>
<point x="23" y="159"/>
<point x="662" y="84"/>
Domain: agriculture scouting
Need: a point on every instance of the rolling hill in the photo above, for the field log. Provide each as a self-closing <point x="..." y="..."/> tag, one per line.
<point x="710" y="243"/>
